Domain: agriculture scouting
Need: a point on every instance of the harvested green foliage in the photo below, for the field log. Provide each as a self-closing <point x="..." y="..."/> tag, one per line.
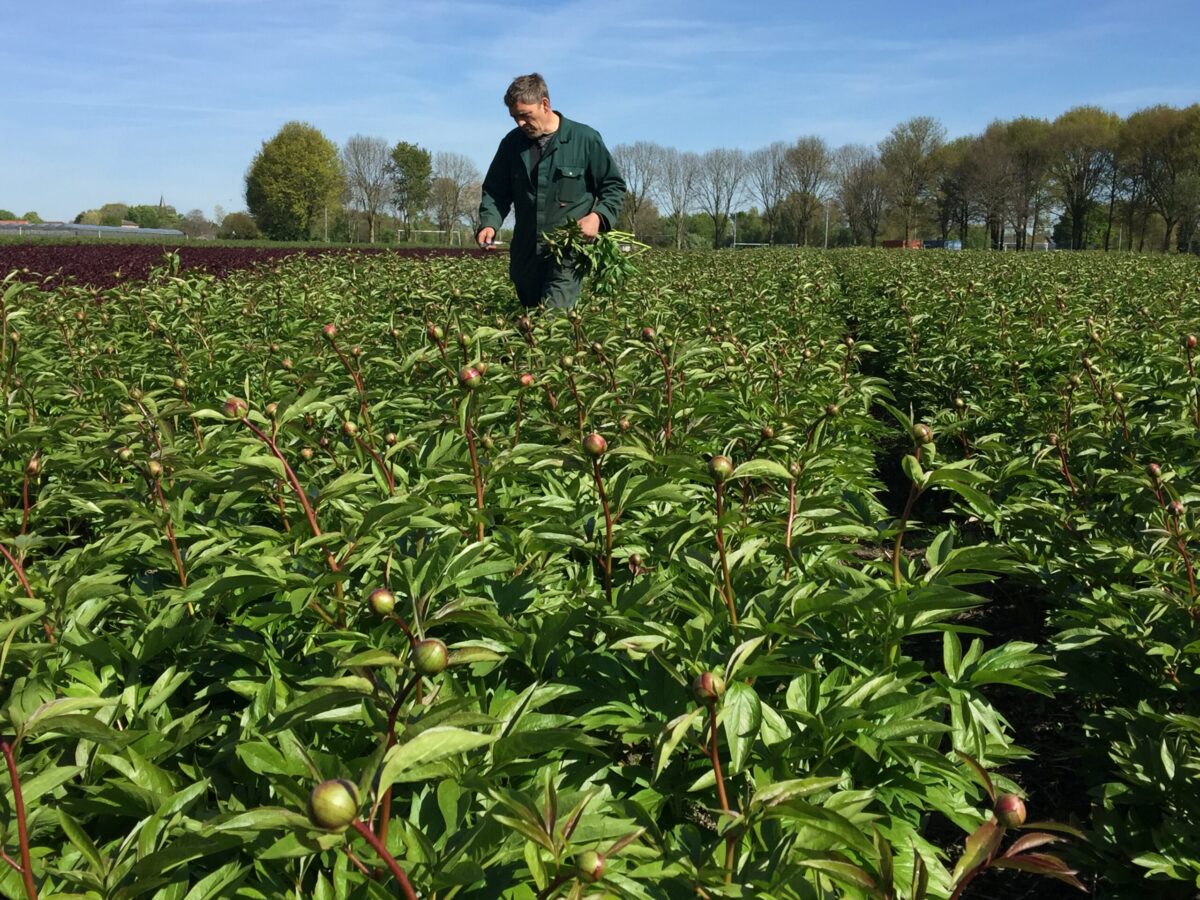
<point x="606" y="262"/>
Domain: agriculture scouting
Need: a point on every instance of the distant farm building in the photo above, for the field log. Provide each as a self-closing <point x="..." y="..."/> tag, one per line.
<point x="70" y="229"/>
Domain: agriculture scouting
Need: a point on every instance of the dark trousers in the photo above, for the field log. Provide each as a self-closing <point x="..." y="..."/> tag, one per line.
<point x="541" y="281"/>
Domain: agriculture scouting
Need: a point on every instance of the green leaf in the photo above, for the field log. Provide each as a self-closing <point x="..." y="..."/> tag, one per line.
<point x="671" y="735"/>
<point x="762" y="468"/>
<point x="783" y="791"/>
<point x="428" y="746"/>
<point x="741" y="716"/>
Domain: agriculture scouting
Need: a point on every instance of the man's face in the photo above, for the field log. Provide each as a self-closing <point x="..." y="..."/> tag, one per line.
<point x="534" y="119"/>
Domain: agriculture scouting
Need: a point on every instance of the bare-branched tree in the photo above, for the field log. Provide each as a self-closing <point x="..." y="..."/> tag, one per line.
<point x="676" y="189"/>
<point x="807" y="179"/>
<point x="719" y="186"/>
<point x="767" y="180"/>
<point x="640" y="164"/>
<point x="908" y="155"/>
<point x="454" y="192"/>
<point x="365" y="163"/>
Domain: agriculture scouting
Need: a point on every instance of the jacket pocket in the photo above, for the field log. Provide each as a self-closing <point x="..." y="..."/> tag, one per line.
<point x="568" y="181"/>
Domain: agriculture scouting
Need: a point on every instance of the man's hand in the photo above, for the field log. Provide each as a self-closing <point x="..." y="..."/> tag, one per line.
<point x="486" y="238"/>
<point x="590" y="226"/>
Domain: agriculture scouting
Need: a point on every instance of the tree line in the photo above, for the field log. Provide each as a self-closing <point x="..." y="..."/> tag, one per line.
<point x="1088" y="178"/>
<point x="300" y="177"/>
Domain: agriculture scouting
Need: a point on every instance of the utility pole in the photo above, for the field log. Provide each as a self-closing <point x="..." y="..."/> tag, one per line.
<point x="826" y="224"/>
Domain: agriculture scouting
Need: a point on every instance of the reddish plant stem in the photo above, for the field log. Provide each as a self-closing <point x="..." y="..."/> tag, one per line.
<point x="612" y="375"/>
<point x="666" y="364"/>
<point x="296" y="488"/>
<point x="355" y="861"/>
<point x="386" y="470"/>
<point x="972" y="874"/>
<point x="1124" y="423"/>
<point x="359" y="386"/>
<point x="469" y="433"/>
<point x="728" y="583"/>
<point x="722" y="798"/>
<point x="195" y="424"/>
<point x="153" y="425"/>
<point x="1065" y="469"/>
<point x="22" y="829"/>
<point x="578" y="402"/>
<point x="20" y="570"/>
<point x="555" y="884"/>
<point x="25" y="493"/>
<point x="287" y="526"/>
<point x="309" y="514"/>
<point x="608" y="531"/>
<point x="162" y="502"/>
<point x="1181" y="545"/>
<point x="398" y="873"/>
<point x="1192" y="374"/>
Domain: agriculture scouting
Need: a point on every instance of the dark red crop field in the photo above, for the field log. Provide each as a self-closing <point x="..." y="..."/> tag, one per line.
<point x="107" y="265"/>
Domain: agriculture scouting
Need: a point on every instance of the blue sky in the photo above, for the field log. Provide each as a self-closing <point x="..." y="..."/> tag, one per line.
<point x="127" y="100"/>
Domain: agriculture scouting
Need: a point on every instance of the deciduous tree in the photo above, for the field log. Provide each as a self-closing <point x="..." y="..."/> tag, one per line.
<point x="1082" y="141"/>
<point x="908" y="157"/>
<point x="1165" y="143"/>
<point x="859" y="187"/>
<point x="410" y="170"/>
<point x="293" y="179"/>
<point x="676" y="191"/>
<point x="719" y="180"/>
<point x="454" y="191"/>
<point x="767" y="181"/>
<point x="807" y="177"/>
<point x="239" y="226"/>
<point x="640" y="164"/>
<point x="1028" y="140"/>
<point x="365" y="164"/>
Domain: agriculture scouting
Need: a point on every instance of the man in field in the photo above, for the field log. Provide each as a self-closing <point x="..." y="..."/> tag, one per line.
<point x="550" y="170"/>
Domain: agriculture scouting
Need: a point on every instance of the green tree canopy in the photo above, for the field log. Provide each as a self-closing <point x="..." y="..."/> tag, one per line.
<point x="411" y="171"/>
<point x="7" y="214"/>
<point x="108" y="214"/>
<point x="153" y="216"/>
<point x="292" y="179"/>
<point x="239" y="226"/>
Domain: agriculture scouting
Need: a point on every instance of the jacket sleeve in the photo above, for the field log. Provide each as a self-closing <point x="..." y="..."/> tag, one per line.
<point x="496" y="197"/>
<point x="608" y="186"/>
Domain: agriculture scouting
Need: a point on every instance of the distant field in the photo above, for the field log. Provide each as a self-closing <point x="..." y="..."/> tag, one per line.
<point x="106" y="264"/>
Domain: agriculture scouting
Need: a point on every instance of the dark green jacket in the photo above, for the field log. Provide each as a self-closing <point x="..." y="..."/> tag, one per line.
<point x="576" y="176"/>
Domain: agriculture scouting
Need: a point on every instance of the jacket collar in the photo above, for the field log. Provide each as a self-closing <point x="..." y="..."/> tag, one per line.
<point x="566" y="129"/>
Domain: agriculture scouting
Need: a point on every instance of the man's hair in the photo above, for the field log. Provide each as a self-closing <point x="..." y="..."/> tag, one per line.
<point x="526" y="89"/>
